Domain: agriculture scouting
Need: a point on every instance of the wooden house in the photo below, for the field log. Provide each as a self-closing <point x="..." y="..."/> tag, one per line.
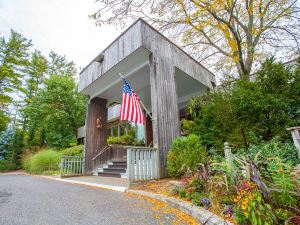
<point x="163" y="76"/>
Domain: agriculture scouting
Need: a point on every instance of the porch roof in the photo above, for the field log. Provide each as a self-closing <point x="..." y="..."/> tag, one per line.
<point x="129" y="55"/>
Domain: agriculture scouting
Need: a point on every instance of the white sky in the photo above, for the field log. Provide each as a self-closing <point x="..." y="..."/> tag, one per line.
<point x="61" y="26"/>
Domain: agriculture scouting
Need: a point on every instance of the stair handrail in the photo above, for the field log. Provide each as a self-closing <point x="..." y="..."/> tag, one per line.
<point x="103" y="150"/>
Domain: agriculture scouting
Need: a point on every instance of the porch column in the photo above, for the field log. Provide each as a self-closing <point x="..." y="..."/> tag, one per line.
<point x="164" y="104"/>
<point x="95" y="138"/>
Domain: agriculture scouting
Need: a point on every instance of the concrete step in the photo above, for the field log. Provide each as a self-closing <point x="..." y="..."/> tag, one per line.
<point x="117" y="170"/>
<point x="119" y="163"/>
<point x="116" y="166"/>
<point x="124" y="175"/>
<point x="109" y="174"/>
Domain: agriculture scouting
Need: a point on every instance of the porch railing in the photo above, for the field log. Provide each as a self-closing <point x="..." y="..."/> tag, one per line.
<point x="71" y="166"/>
<point x="142" y="163"/>
<point x="102" y="157"/>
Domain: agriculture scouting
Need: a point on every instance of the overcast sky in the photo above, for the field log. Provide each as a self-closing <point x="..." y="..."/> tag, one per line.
<point x="61" y="26"/>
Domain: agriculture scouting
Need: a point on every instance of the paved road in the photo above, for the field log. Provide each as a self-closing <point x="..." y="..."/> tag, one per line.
<point x="28" y="200"/>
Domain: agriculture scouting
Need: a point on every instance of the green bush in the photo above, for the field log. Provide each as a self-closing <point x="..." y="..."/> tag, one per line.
<point x="185" y="155"/>
<point x="5" y="165"/>
<point x="113" y="140"/>
<point x="283" y="184"/>
<point x="265" y="108"/>
<point x="196" y="198"/>
<point x="198" y="184"/>
<point x="73" y="151"/>
<point x="182" y="193"/>
<point x="138" y="142"/>
<point x="274" y="148"/>
<point x="43" y="162"/>
<point x="126" y="139"/>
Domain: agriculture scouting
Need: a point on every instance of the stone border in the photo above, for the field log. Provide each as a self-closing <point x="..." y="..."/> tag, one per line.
<point x="202" y="215"/>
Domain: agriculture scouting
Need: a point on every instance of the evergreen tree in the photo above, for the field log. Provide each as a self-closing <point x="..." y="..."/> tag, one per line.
<point x="6" y="138"/>
<point x="13" y="58"/>
<point x="59" y="65"/>
<point x="35" y="74"/>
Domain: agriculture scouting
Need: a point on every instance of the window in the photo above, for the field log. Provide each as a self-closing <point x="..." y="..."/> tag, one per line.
<point x="135" y="130"/>
<point x="114" y="131"/>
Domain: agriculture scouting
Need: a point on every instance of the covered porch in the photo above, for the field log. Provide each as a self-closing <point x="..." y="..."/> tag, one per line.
<point x="163" y="76"/>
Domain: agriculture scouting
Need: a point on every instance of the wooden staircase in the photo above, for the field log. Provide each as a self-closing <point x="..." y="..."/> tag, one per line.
<point x="114" y="168"/>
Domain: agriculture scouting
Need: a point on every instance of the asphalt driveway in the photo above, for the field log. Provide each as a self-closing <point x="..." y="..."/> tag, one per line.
<point x="29" y="200"/>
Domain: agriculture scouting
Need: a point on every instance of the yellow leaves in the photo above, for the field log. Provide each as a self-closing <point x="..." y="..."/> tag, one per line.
<point x="159" y="208"/>
<point x="187" y="36"/>
<point x="187" y="20"/>
<point x="230" y="40"/>
<point x="250" y="10"/>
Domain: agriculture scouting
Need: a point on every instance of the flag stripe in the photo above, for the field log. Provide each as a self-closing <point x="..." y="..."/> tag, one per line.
<point x="131" y="109"/>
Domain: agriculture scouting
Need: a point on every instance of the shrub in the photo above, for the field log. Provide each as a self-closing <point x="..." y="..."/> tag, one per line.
<point x="197" y="197"/>
<point x="264" y="107"/>
<point x="73" y="151"/>
<point x="113" y="140"/>
<point x="126" y="139"/>
<point x="186" y="154"/>
<point x="5" y="165"/>
<point x="43" y="162"/>
<point x="182" y="193"/>
<point x="138" y="142"/>
<point x="283" y="184"/>
<point x="274" y="148"/>
<point x="197" y="184"/>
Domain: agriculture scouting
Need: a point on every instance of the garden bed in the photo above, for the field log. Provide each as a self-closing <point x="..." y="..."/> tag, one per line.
<point x="166" y="187"/>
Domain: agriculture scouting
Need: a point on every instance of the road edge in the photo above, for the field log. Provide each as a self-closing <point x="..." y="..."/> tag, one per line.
<point x="202" y="215"/>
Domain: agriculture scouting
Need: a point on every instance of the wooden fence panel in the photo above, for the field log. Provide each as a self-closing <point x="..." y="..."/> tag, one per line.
<point x="71" y="166"/>
<point x="142" y="164"/>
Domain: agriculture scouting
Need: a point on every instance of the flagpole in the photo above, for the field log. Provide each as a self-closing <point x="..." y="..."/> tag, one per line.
<point x="147" y="112"/>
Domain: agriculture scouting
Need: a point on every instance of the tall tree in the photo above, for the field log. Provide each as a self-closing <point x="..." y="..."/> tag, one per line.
<point x="14" y="54"/>
<point x="59" y="65"/>
<point x="231" y="34"/>
<point x="56" y="112"/>
<point x="35" y="74"/>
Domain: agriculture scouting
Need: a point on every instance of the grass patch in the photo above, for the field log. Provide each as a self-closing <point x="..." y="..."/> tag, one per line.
<point x="43" y="162"/>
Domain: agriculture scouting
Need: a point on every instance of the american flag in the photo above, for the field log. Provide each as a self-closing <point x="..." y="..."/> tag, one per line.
<point x="131" y="107"/>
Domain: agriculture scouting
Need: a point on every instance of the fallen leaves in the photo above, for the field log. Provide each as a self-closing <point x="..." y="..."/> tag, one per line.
<point x="160" y="208"/>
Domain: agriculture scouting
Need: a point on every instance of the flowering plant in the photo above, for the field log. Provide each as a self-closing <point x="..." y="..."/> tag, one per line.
<point x="205" y="202"/>
<point x="250" y="199"/>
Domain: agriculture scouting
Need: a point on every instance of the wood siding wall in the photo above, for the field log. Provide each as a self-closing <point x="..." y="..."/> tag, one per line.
<point x="161" y="46"/>
<point x="125" y="44"/>
<point x="95" y="137"/>
<point x="164" y="107"/>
